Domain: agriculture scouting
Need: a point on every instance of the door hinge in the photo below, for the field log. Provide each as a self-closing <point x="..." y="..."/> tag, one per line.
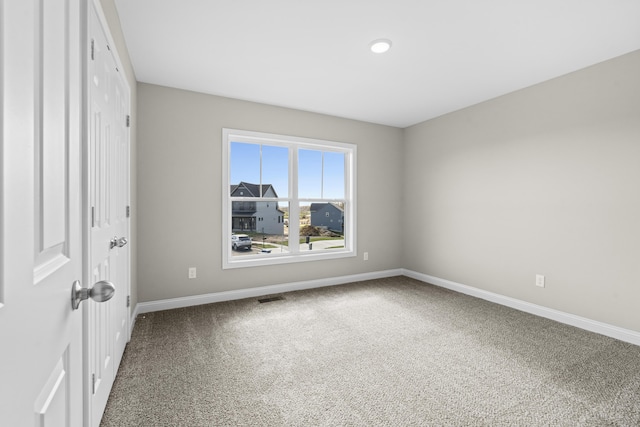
<point x="93" y="216"/>
<point x="128" y="211"/>
<point x="93" y="383"/>
<point x="128" y="120"/>
<point x="128" y="300"/>
<point x="93" y="47"/>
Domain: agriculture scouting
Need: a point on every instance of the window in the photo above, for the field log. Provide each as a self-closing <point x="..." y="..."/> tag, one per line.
<point x="281" y="193"/>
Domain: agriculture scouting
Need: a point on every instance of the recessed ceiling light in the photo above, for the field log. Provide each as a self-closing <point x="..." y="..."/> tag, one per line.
<point x="380" y="45"/>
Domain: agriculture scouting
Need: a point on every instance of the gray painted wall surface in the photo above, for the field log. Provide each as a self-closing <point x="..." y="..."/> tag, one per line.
<point x="180" y="190"/>
<point x="541" y="181"/>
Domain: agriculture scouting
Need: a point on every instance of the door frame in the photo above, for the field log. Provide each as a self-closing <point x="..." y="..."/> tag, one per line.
<point x="95" y="5"/>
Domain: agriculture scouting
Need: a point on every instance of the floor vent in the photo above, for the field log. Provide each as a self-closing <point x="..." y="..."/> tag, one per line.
<point x="270" y="299"/>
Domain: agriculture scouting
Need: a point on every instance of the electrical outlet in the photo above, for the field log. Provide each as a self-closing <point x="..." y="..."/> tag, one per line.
<point x="366" y="256"/>
<point x="540" y="280"/>
<point x="192" y="272"/>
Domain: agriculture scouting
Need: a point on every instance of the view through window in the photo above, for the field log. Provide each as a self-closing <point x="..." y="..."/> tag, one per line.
<point x="286" y="199"/>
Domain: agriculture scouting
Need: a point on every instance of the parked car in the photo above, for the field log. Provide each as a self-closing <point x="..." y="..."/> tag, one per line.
<point x="240" y="241"/>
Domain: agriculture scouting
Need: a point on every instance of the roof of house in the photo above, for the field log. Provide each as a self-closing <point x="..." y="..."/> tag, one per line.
<point x="253" y="189"/>
<point x="317" y="206"/>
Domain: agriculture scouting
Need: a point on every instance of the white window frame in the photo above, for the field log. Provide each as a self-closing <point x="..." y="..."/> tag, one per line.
<point x="294" y="143"/>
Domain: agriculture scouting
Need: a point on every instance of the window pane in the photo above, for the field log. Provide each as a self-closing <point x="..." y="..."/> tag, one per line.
<point x="245" y="165"/>
<point x="321" y="227"/>
<point x="275" y="169"/>
<point x="333" y="175"/>
<point x="309" y="174"/>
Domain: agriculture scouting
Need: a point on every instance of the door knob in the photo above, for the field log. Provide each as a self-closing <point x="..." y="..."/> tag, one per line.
<point x="100" y="292"/>
<point x="119" y="242"/>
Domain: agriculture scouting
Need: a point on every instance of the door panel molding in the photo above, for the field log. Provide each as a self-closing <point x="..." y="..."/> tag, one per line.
<point x="51" y="405"/>
<point x="52" y="120"/>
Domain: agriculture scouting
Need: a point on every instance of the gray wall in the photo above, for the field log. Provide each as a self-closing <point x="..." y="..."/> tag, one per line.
<point x="544" y="180"/>
<point x="179" y="191"/>
<point x="113" y="21"/>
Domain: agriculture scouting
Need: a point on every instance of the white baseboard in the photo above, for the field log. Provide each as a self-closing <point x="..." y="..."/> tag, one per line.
<point x="621" y="334"/>
<point x="168" y="304"/>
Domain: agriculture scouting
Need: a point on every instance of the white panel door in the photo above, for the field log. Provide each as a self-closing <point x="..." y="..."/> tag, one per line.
<point x="108" y="323"/>
<point x="41" y="65"/>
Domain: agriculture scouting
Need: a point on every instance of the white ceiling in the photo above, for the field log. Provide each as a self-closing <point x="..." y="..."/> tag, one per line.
<point x="314" y="55"/>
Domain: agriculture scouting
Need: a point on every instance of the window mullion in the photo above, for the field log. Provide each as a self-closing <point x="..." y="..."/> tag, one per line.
<point x="322" y="175"/>
<point x="260" y="183"/>
<point x="294" y="205"/>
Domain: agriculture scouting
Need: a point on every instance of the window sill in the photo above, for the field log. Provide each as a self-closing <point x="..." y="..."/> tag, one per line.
<point x="270" y="259"/>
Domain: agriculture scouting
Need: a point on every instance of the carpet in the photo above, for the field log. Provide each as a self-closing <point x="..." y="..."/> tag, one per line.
<point x="385" y="352"/>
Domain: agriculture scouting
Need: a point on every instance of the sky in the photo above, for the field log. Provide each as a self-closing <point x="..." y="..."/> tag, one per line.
<point x="320" y="174"/>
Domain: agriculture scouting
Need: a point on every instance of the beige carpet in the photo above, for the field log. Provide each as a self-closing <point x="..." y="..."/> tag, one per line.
<point x="389" y="352"/>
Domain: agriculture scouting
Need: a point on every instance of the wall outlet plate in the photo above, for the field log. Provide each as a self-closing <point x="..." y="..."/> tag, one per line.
<point x="540" y="280"/>
<point x="192" y="272"/>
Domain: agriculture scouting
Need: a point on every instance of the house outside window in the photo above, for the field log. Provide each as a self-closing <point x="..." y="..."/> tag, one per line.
<point x="329" y="216"/>
<point x="272" y="187"/>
